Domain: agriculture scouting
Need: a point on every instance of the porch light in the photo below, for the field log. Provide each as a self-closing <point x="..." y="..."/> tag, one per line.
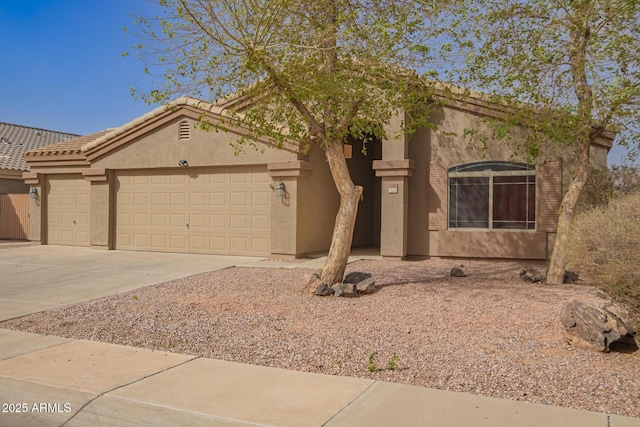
<point x="33" y="193"/>
<point x="280" y="189"/>
<point x="183" y="163"/>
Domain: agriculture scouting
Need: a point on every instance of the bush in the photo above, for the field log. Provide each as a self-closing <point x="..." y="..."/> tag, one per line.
<point x="604" y="246"/>
<point x="605" y="184"/>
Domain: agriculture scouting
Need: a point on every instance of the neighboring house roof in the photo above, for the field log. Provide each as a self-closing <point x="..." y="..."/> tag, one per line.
<point x="16" y="140"/>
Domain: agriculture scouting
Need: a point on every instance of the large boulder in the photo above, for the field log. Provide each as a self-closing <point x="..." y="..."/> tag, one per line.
<point x="345" y="290"/>
<point x="356" y="277"/>
<point x="591" y="327"/>
<point x="323" y="290"/>
<point x="367" y="286"/>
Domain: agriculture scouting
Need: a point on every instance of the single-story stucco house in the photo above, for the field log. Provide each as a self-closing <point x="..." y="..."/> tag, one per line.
<point x="15" y="140"/>
<point x="159" y="183"/>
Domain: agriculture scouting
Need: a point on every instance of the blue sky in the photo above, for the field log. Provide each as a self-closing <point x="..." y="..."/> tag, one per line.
<point x="62" y="67"/>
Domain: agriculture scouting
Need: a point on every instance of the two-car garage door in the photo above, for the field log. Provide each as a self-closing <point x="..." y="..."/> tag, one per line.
<point x="214" y="211"/>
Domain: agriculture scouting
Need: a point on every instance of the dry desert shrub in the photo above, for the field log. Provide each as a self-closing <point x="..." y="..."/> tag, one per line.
<point x="604" y="246"/>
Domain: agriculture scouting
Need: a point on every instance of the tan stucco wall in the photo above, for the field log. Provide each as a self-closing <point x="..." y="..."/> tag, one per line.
<point x="101" y="217"/>
<point x="283" y="217"/>
<point x="317" y="206"/>
<point x="13" y="186"/>
<point x="160" y="148"/>
<point x="418" y="234"/>
<point x="447" y="147"/>
<point x="36" y="206"/>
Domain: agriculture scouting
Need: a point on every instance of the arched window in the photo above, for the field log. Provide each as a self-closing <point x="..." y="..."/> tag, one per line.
<point x="183" y="130"/>
<point x="492" y="195"/>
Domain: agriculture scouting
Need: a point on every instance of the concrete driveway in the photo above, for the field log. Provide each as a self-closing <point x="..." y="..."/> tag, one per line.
<point x="37" y="278"/>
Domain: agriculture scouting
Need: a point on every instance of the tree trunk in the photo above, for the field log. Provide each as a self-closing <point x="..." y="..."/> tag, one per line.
<point x="333" y="270"/>
<point x="558" y="261"/>
<point x="578" y="39"/>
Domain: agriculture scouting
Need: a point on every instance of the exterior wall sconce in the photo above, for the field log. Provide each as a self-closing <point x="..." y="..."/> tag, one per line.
<point x="183" y="163"/>
<point x="33" y="193"/>
<point x="280" y="189"/>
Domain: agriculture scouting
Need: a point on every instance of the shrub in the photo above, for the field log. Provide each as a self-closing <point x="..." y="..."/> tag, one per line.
<point x="605" y="184"/>
<point x="604" y="246"/>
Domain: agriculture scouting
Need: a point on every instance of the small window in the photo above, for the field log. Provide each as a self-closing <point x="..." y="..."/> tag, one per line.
<point x="183" y="130"/>
<point x="492" y="195"/>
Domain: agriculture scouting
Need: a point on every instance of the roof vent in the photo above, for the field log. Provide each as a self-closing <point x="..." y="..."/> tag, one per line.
<point x="183" y="130"/>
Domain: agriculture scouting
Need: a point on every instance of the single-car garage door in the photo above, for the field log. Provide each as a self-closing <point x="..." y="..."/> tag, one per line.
<point x="213" y="211"/>
<point x="68" y="210"/>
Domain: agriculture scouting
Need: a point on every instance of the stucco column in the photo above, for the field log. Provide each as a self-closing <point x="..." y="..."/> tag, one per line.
<point x="394" y="205"/>
<point x="100" y="233"/>
<point x="284" y="210"/>
<point x="36" y="204"/>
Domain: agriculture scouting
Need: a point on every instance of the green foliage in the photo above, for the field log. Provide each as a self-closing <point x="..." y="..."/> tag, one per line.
<point x="565" y="70"/>
<point x="603" y="247"/>
<point x="393" y="363"/>
<point x="372" y="362"/>
<point x="316" y="71"/>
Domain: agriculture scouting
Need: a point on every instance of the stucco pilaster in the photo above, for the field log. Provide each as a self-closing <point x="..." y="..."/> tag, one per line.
<point x="395" y="173"/>
<point x="100" y="212"/>
<point x="36" y="204"/>
<point x="284" y="218"/>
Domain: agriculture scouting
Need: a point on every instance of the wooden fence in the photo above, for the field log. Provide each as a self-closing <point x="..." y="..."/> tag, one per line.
<point x="14" y="216"/>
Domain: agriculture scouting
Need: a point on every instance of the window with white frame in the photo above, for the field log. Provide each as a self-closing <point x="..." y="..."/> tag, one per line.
<point x="492" y="195"/>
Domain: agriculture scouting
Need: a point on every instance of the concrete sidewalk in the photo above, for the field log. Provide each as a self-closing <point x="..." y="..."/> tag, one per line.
<point x="51" y="381"/>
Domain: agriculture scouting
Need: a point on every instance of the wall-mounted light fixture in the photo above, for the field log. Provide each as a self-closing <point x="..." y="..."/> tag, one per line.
<point x="33" y="193"/>
<point x="183" y="163"/>
<point x="280" y="189"/>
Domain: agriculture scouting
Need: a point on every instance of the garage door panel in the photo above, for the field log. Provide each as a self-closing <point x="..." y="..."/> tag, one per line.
<point x="178" y="220"/>
<point x="218" y="244"/>
<point x="178" y="242"/>
<point x="158" y="241"/>
<point x="68" y="204"/>
<point x="217" y="211"/>
<point x="140" y="220"/>
<point x="260" y="244"/>
<point x="260" y="222"/>
<point x="159" y="219"/>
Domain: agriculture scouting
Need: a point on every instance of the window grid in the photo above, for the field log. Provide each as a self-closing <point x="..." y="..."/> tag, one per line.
<point x="471" y="171"/>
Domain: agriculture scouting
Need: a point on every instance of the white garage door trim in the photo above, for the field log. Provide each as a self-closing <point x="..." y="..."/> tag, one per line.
<point x="222" y="210"/>
<point x="68" y="207"/>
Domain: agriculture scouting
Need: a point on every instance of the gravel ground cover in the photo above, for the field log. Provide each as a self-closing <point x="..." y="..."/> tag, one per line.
<point x="489" y="333"/>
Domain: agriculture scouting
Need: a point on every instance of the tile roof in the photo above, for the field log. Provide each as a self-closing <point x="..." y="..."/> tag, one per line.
<point x="182" y="101"/>
<point x="16" y="140"/>
<point x="71" y="146"/>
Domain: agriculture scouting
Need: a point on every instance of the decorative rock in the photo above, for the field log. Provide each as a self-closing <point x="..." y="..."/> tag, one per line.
<point x="310" y="282"/>
<point x="345" y="290"/>
<point x="367" y="286"/>
<point x="570" y="277"/>
<point x="591" y="327"/>
<point x="530" y="274"/>
<point x="323" y="290"/>
<point x="457" y="272"/>
<point x="356" y="277"/>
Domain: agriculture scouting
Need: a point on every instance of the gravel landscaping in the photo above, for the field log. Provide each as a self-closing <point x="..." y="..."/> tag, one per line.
<point x="489" y="333"/>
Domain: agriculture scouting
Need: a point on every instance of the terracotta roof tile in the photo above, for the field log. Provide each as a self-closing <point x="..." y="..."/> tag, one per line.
<point x="72" y="146"/>
<point x="16" y="140"/>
